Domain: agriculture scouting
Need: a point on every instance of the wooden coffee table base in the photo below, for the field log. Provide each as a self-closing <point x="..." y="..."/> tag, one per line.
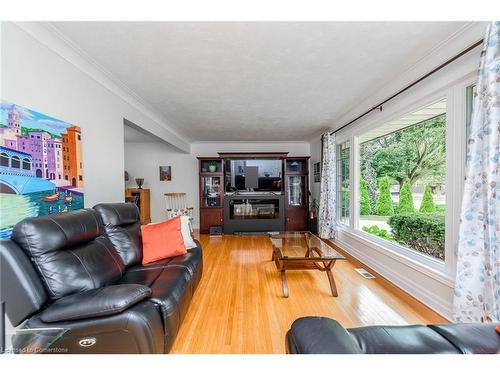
<point x="285" y="264"/>
<point x="284" y="284"/>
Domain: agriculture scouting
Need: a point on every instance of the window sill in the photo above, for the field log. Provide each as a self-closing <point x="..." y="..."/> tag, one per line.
<point x="421" y="263"/>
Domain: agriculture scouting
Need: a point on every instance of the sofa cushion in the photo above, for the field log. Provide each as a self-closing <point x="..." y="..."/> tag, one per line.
<point x="123" y="227"/>
<point x="192" y="260"/>
<point x="413" y="339"/>
<point x="471" y="338"/>
<point x="105" y="301"/>
<point x="69" y="251"/>
<point x="162" y="240"/>
<point x="143" y="276"/>
<point x="151" y="266"/>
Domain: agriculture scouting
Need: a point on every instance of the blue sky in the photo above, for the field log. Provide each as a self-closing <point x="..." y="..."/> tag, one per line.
<point x="33" y="119"/>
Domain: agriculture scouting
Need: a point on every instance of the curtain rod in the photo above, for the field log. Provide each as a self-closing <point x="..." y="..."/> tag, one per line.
<point x="379" y="106"/>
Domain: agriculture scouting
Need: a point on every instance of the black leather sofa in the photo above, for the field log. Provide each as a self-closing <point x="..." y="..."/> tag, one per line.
<point x="82" y="271"/>
<point x="316" y="335"/>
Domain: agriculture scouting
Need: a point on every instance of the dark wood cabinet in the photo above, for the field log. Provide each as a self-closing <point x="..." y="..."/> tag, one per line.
<point x="210" y="217"/>
<point x="211" y="193"/>
<point x="296" y="193"/>
<point x="296" y="218"/>
<point x="295" y="182"/>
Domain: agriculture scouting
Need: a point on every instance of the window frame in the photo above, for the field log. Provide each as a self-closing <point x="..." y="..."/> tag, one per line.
<point x="456" y="112"/>
<point x="338" y="179"/>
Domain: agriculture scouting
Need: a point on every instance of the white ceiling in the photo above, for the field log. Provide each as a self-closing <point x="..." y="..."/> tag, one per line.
<point x="230" y="81"/>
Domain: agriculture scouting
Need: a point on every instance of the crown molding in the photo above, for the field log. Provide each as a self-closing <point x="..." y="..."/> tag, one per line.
<point x="48" y="35"/>
<point x="467" y="35"/>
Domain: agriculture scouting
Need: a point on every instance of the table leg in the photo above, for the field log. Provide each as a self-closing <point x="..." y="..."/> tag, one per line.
<point x="333" y="287"/>
<point x="284" y="284"/>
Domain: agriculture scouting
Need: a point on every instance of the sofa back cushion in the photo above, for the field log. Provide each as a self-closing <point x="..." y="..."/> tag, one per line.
<point x="123" y="227"/>
<point x="70" y="251"/>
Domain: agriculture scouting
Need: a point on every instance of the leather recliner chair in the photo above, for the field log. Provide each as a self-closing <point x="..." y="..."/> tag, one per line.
<point x="82" y="271"/>
<point x="317" y="335"/>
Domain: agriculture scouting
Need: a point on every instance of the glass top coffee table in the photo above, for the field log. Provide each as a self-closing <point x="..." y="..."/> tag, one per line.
<point x="303" y="251"/>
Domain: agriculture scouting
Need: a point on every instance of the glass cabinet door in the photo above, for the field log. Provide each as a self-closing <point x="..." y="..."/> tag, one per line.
<point x="211" y="186"/>
<point x="296" y="190"/>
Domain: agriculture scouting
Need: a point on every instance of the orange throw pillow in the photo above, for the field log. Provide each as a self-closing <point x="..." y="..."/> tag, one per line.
<point x="162" y="240"/>
<point x="497" y="328"/>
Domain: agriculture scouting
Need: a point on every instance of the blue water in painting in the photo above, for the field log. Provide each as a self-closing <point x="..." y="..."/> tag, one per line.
<point x="16" y="207"/>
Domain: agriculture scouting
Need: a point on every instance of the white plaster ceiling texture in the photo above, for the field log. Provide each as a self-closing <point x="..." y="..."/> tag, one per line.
<point x="232" y="81"/>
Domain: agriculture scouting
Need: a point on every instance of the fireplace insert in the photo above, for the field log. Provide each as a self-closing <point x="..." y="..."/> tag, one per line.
<point x="253" y="212"/>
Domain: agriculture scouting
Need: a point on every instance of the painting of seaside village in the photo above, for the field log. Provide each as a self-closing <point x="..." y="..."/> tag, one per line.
<point x="41" y="170"/>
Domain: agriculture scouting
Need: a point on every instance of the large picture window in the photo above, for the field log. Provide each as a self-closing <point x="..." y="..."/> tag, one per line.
<point x="402" y="180"/>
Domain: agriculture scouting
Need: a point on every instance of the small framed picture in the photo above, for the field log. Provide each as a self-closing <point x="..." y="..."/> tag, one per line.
<point x="317" y="172"/>
<point x="165" y="173"/>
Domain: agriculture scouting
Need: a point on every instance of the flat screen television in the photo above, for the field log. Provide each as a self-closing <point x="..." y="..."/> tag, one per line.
<point x="253" y="175"/>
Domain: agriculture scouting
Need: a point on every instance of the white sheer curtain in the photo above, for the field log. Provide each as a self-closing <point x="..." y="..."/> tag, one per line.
<point x="328" y="189"/>
<point x="477" y="287"/>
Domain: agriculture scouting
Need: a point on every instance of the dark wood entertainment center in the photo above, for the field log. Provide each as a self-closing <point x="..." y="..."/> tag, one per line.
<point x="218" y="206"/>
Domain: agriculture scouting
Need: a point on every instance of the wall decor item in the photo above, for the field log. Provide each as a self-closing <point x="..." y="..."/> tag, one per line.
<point x="41" y="166"/>
<point x="139" y="182"/>
<point x="166" y="173"/>
<point x="317" y="173"/>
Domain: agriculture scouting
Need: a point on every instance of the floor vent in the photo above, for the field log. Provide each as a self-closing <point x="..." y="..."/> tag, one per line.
<point x="364" y="273"/>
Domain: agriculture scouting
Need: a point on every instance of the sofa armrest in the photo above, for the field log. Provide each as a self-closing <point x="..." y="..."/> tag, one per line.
<point x="316" y="335"/>
<point x="105" y="301"/>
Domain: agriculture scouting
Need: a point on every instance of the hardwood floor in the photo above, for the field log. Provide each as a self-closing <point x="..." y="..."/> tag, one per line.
<point x="238" y="306"/>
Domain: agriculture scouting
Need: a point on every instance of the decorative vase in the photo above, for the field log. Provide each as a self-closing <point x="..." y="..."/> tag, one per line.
<point x="212" y="168"/>
<point x="139" y="182"/>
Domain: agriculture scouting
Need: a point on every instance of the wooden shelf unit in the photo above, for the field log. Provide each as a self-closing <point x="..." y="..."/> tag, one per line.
<point x="211" y="184"/>
<point x="143" y="203"/>
<point x="295" y="181"/>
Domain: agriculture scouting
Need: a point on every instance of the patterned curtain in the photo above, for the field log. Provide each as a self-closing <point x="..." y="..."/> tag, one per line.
<point x="477" y="288"/>
<point x="328" y="194"/>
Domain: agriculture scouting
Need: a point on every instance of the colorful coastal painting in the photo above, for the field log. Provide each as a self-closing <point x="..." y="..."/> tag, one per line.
<point x="41" y="167"/>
